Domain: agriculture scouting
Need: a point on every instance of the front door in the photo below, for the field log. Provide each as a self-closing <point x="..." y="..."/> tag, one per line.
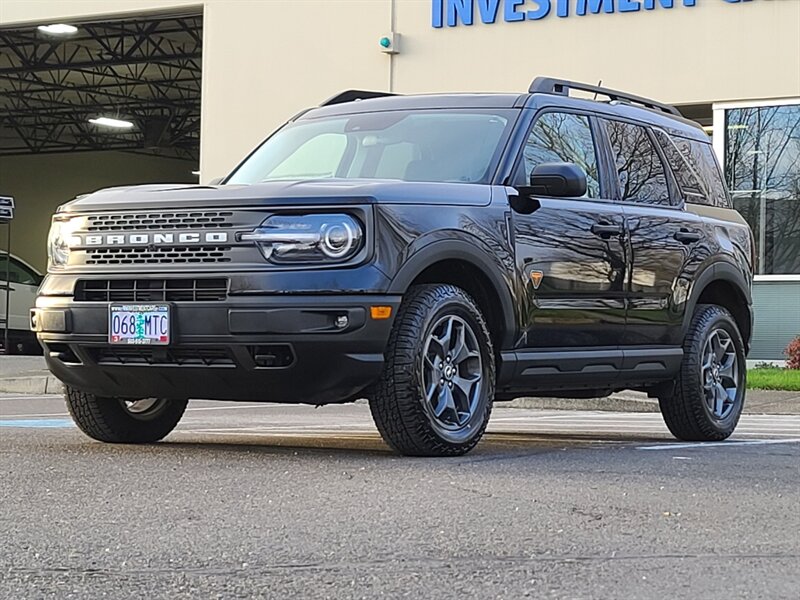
<point x="570" y="252"/>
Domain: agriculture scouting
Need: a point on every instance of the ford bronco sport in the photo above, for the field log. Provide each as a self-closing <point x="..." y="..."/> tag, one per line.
<point x="430" y="253"/>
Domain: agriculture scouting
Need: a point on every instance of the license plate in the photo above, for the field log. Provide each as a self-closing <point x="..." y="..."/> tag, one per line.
<point x="139" y="324"/>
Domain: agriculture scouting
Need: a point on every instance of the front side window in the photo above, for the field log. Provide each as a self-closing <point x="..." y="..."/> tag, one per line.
<point x="457" y="146"/>
<point x="563" y="137"/>
<point x="640" y="172"/>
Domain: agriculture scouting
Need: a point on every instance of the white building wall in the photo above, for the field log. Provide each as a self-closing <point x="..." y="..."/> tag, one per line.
<point x="266" y="59"/>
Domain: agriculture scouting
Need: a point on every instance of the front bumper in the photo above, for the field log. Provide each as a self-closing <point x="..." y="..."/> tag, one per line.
<point x="254" y="348"/>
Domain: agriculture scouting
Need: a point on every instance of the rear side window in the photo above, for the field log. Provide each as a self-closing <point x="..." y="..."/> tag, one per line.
<point x="695" y="170"/>
<point x="563" y="137"/>
<point x="641" y="173"/>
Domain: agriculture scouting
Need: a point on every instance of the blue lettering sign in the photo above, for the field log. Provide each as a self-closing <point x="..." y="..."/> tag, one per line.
<point x="541" y="12"/>
<point x="511" y="13"/>
<point x="628" y="5"/>
<point x="452" y="13"/>
<point x="488" y="10"/>
<point x="459" y="8"/>
<point x="595" y="6"/>
<point x="651" y="4"/>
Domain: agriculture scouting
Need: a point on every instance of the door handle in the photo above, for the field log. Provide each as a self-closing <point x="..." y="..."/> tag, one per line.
<point x="687" y="237"/>
<point x="606" y="229"/>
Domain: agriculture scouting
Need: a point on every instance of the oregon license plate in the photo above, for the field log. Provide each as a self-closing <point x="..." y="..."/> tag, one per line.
<point x="139" y="324"/>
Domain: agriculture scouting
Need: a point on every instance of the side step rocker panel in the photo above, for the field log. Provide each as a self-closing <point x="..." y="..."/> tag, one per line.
<point x="563" y="369"/>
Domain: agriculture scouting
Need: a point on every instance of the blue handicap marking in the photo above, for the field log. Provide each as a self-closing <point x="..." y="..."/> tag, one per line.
<point x="37" y="423"/>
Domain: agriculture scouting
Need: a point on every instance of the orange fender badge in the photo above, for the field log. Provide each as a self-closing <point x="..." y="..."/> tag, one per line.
<point x="536" y="278"/>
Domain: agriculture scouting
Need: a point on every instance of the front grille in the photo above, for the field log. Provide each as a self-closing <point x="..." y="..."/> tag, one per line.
<point x="189" y="357"/>
<point x="152" y="290"/>
<point x="160" y="220"/>
<point x="140" y="256"/>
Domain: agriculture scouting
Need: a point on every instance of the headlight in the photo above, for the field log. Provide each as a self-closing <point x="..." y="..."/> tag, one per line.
<point x="308" y="238"/>
<point x="58" y="241"/>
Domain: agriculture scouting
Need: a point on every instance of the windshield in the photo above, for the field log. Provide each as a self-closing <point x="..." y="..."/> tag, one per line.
<point x="436" y="145"/>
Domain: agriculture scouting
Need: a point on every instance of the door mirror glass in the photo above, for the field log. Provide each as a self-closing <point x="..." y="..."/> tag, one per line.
<point x="561" y="180"/>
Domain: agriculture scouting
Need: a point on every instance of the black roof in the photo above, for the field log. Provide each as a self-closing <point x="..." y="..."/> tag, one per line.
<point x="543" y="92"/>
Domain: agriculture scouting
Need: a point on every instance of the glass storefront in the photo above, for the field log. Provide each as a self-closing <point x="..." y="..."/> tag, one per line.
<point x="758" y="143"/>
<point x="761" y="157"/>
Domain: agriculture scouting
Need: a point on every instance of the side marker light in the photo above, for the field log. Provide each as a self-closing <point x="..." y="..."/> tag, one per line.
<point x="380" y="312"/>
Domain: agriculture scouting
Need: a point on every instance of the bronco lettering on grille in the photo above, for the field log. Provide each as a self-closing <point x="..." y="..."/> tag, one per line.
<point x="154" y="239"/>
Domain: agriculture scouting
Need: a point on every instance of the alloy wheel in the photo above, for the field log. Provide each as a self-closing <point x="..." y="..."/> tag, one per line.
<point x="721" y="374"/>
<point x="452" y="373"/>
<point x="144" y="407"/>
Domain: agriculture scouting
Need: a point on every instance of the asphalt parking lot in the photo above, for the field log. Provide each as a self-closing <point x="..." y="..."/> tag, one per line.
<point x="275" y="501"/>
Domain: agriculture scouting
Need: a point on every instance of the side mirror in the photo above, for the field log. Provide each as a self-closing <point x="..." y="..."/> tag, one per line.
<point x="560" y="180"/>
<point x="216" y="181"/>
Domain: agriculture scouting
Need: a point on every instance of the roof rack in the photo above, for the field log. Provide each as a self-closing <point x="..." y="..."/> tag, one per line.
<point x="548" y="85"/>
<point x="354" y="96"/>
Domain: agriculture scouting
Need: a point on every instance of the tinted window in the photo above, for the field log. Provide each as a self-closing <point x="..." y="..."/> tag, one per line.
<point x="695" y="169"/>
<point x="686" y="175"/>
<point x="563" y="137"/>
<point x="641" y="173"/>
<point x="708" y="168"/>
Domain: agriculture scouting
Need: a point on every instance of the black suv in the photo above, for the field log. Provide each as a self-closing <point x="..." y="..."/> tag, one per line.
<point x="430" y="253"/>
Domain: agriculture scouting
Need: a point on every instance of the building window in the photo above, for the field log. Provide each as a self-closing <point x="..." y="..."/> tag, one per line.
<point x="762" y="169"/>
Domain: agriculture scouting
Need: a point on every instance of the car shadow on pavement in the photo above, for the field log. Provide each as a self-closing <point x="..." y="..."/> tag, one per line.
<point x="368" y="444"/>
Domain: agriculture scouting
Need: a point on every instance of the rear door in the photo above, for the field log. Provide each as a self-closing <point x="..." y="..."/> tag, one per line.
<point x="665" y="242"/>
<point x="570" y="252"/>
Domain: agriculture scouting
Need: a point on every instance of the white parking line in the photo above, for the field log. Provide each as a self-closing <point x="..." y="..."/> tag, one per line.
<point x="52" y="397"/>
<point x="15" y="416"/>
<point x="720" y="445"/>
<point x="232" y="407"/>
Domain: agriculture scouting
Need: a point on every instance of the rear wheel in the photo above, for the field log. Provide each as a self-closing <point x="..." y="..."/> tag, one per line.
<point x="435" y="395"/>
<point x="123" y="421"/>
<point x="709" y="391"/>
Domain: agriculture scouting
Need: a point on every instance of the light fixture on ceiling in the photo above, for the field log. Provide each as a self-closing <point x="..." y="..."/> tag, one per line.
<point x="109" y="122"/>
<point x="58" y="29"/>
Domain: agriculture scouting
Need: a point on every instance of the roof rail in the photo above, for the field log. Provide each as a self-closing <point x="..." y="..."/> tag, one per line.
<point x="548" y="85"/>
<point x="353" y="96"/>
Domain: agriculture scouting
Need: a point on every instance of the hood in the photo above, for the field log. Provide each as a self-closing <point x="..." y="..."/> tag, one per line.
<point x="281" y="193"/>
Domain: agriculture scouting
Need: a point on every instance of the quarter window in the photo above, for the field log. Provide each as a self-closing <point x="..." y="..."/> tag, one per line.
<point x="641" y="173"/>
<point x="563" y="137"/>
<point x="695" y="169"/>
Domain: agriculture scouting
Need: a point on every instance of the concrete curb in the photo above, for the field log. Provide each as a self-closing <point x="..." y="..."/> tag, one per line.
<point x="34" y="384"/>
<point x="610" y="404"/>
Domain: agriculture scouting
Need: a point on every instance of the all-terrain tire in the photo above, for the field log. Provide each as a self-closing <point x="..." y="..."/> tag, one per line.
<point x="108" y="419"/>
<point x="686" y="411"/>
<point x="398" y="404"/>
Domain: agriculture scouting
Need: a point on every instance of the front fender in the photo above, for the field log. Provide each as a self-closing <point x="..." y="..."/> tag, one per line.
<point x="497" y="267"/>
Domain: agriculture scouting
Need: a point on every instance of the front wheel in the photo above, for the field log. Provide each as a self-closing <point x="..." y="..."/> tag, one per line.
<point x="435" y="394"/>
<point x="709" y="391"/>
<point x="122" y="421"/>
